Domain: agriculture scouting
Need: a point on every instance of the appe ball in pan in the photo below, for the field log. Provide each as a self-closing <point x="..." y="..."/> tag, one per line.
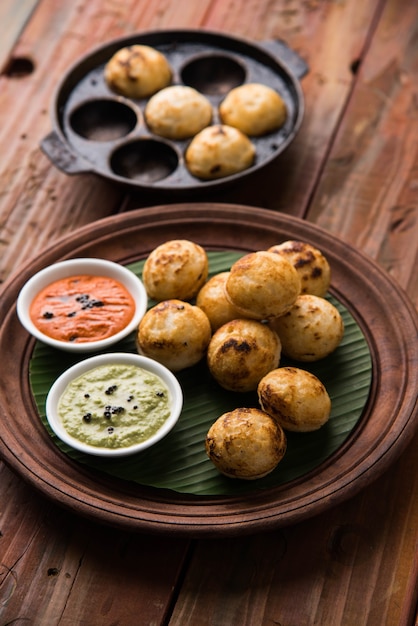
<point x="175" y="269"/>
<point x="311" y="330"/>
<point x="295" y="398"/>
<point x="178" y="112"/>
<point x="262" y="285"/>
<point x="219" y="151"/>
<point x="240" y="352"/>
<point x="312" y="266"/>
<point x="137" y="71"/>
<point x="245" y="443"/>
<point x="212" y="300"/>
<point x="174" y="333"/>
<point x="254" y="108"/>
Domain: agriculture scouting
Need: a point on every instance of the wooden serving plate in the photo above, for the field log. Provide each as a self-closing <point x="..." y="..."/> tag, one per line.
<point x="389" y="420"/>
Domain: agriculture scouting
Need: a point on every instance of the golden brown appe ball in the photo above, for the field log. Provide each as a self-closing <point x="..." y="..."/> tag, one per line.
<point x="212" y="300"/>
<point x="245" y="443"/>
<point x="312" y="266"/>
<point x="254" y="108"/>
<point x="174" y="333"/>
<point x="241" y="352"/>
<point x="295" y="398"/>
<point x="263" y="285"/>
<point x="137" y="71"/>
<point x="219" y="151"/>
<point x="311" y="330"/>
<point x="175" y="269"/>
<point x="178" y="112"/>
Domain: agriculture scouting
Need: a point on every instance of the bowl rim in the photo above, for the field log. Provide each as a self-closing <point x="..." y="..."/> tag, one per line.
<point x="124" y="358"/>
<point x="86" y="265"/>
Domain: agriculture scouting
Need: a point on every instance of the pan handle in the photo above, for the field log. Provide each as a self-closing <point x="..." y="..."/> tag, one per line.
<point x="287" y="56"/>
<point x="62" y="156"/>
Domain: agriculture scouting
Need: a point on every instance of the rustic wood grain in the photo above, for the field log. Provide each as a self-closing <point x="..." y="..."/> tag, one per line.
<point x="56" y="568"/>
<point x="13" y="18"/>
<point x="368" y="192"/>
<point x="354" y="565"/>
<point x="372" y="202"/>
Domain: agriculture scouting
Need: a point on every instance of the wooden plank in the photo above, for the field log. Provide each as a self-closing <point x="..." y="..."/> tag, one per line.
<point x="13" y="18"/>
<point x="368" y="191"/>
<point x="368" y="197"/>
<point x="56" y="568"/>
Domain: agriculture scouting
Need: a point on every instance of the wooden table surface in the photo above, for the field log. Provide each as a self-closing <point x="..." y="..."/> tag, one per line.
<point x="353" y="170"/>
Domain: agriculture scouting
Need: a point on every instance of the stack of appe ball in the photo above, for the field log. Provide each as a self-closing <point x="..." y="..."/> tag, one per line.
<point x="175" y="332"/>
<point x="180" y="112"/>
<point x="271" y="302"/>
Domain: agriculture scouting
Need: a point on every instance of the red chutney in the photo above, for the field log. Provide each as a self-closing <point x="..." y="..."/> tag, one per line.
<point x="82" y="308"/>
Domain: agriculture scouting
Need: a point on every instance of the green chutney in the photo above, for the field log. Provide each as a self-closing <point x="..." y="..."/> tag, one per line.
<point x="114" y="406"/>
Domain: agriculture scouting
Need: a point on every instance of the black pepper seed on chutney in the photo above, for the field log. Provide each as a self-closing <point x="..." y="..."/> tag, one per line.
<point x="82" y="308"/>
<point x="139" y="406"/>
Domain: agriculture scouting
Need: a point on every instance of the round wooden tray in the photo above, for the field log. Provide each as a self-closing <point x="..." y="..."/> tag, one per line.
<point x="390" y="418"/>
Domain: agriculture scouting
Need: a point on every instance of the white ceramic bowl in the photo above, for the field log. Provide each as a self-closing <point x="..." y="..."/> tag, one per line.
<point x="59" y="386"/>
<point x="87" y="266"/>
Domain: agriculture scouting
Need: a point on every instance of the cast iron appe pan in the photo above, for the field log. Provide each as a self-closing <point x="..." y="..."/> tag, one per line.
<point x="100" y="132"/>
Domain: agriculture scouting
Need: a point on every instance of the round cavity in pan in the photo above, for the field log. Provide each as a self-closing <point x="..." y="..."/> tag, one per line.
<point x="103" y="120"/>
<point x="213" y="74"/>
<point x="144" y="160"/>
